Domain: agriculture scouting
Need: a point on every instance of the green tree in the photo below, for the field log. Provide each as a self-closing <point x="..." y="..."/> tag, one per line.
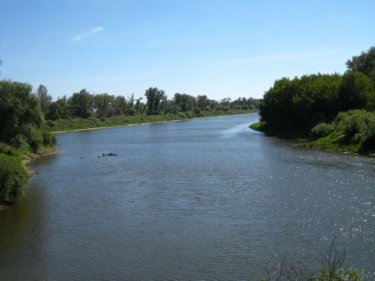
<point x="203" y="102"/>
<point x="119" y="105"/>
<point x="364" y="63"/>
<point x="299" y="104"/>
<point x="80" y="104"/>
<point x="184" y="102"/>
<point x="139" y="106"/>
<point x="20" y="114"/>
<point x="154" y="97"/>
<point x="58" y="109"/>
<point x="356" y="91"/>
<point x="103" y="105"/>
<point x="44" y="99"/>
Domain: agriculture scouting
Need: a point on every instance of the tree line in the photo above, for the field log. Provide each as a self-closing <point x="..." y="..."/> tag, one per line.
<point x="294" y="107"/>
<point x="82" y="104"/>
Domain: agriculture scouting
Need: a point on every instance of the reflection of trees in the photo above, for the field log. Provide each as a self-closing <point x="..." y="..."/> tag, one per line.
<point x="21" y="239"/>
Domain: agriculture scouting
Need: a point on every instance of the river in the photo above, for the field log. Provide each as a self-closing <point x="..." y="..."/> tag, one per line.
<point x="204" y="199"/>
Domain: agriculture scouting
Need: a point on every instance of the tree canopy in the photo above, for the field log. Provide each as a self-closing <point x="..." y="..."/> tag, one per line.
<point x="364" y="63"/>
<point x="329" y="109"/>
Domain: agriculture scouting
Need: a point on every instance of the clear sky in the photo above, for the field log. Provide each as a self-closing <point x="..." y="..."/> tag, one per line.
<point x="221" y="48"/>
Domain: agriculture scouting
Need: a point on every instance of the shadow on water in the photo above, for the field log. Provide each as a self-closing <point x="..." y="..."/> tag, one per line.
<point x="21" y="237"/>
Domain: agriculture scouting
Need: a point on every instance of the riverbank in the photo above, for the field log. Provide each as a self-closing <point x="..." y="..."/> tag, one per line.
<point x="332" y="142"/>
<point x="16" y="170"/>
<point x="44" y="153"/>
<point x="79" y="124"/>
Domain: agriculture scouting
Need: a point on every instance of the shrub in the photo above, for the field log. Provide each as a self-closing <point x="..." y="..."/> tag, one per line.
<point x="358" y="127"/>
<point x="48" y="138"/>
<point x="50" y="123"/>
<point x="32" y="135"/>
<point x="321" y="130"/>
<point x="13" y="179"/>
<point x="19" y="141"/>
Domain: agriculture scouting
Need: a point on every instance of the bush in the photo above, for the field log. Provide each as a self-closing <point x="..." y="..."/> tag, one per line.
<point x="321" y="130"/>
<point x="354" y="128"/>
<point x="33" y="136"/>
<point x="48" y="139"/>
<point x="13" y="179"/>
<point x="50" y="123"/>
<point x="19" y="141"/>
<point x="358" y="127"/>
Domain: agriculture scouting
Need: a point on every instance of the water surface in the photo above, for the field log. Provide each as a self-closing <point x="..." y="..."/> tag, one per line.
<point x="206" y="199"/>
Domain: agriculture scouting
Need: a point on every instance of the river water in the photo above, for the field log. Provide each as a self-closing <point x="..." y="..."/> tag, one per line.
<point x="205" y="199"/>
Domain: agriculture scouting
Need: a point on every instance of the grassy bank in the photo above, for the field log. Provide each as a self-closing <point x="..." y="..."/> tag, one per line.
<point x="352" y="131"/>
<point x="15" y="170"/>
<point x="62" y="125"/>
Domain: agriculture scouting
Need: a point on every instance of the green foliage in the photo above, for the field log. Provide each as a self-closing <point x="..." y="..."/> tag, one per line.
<point x="118" y="120"/>
<point x="354" y="129"/>
<point x="32" y="135"/>
<point x="154" y="97"/>
<point x="356" y="92"/>
<point x="102" y="105"/>
<point x="364" y="63"/>
<point x="358" y="127"/>
<point x="305" y="106"/>
<point x="341" y="275"/>
<point x="298" y="104"/>
<point x="58" y="109"/>
<point x="258" y="126"/>
<point x="13" y="179"/>
<point x="85" y="105"/>
<point x="80" y="104"/>
<point x="20" y="115"/>
<point x="184" y="102"/>
<point x="321" y="130"/>
<point x="44" y="98"/>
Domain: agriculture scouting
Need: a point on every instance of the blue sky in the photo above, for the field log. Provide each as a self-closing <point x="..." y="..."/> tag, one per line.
<point x="221" y="48"/>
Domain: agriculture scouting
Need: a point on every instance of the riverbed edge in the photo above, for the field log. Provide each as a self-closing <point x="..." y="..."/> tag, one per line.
<point x="314" y="145"/>
<point x="26" y="161"/>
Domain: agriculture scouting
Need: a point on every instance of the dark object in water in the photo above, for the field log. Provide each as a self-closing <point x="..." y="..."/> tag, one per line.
<point x="108" y="154"/>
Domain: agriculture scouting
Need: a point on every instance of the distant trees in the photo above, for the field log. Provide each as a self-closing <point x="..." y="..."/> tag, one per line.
<point x="154" y="97"/>
<point x="59" y="109"/>
<point x="82" y="104"/>
<point x="184" y="102"/>
<point x="44" y="99"/>
<point x="103" y="105"/>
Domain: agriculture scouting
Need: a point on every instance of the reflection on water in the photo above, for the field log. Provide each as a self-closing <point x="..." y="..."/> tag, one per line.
<point x="206" y="199"/>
